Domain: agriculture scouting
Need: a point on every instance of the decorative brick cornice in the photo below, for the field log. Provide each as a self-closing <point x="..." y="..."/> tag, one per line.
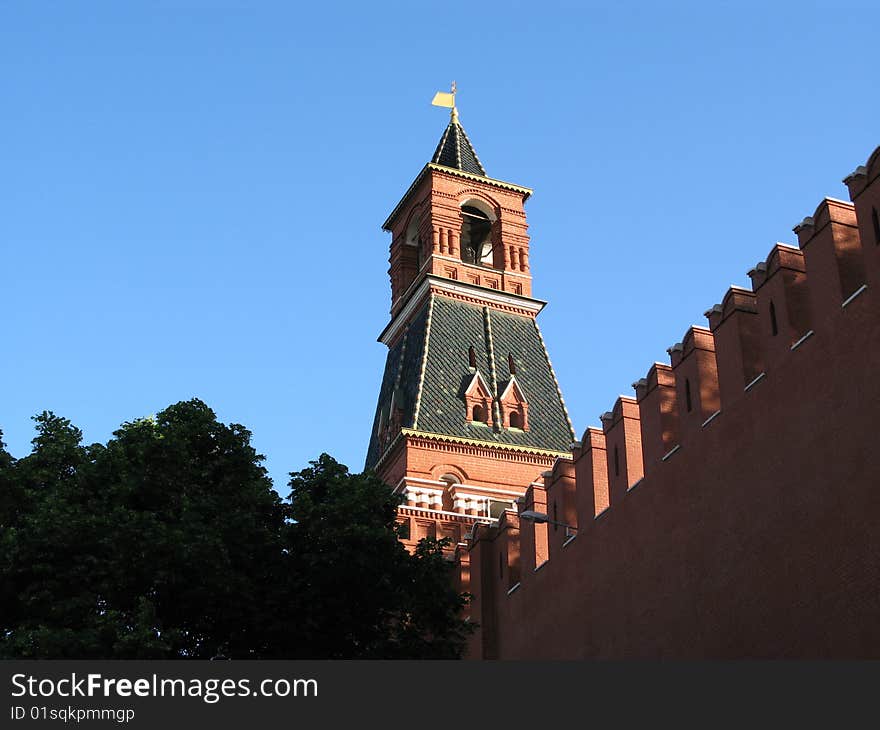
<point x="482" y="296"/>
<point x="472" y="447"/>
<point x="476" y="300"/>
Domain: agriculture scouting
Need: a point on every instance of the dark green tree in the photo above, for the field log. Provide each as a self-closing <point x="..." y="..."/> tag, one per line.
<point x="164" y="543"/>
<point x="355" y="592"/>
<point x="170" y="542"/>
<point x="49" y="548"/>
<point x="10" y="498"/>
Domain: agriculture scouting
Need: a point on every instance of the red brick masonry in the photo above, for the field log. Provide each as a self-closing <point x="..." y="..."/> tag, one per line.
<point x="731" y="509"/>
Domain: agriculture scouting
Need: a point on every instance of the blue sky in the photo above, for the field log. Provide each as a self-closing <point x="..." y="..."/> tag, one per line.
<point x="191" y="193"/>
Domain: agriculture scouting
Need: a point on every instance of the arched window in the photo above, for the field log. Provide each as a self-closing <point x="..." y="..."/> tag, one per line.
<point x="472" y="356"/>
<point x="773" y="327"/>
<point x="515" y="421"/>
<point x="476" y="234"/>
<point x="479" y="414"/>
<point x="876" y="221"/>
<point x="415" y="240"/>
<point x="511" y="364"/>
<point x="687" y="395"/>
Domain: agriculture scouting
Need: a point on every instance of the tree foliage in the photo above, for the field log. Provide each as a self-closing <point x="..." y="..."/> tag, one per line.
<point x="354" y="589"/>
<point x="169" y="541"/>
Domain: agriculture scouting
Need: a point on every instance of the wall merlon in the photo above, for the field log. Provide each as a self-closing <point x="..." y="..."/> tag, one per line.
<point x="696" y="383"/>
<point x="658" y="415"/>
<point x="624" y="407"/>
<point x="561" y="503"/>
<point x="833" y="256"/>
<point x="864" y="190"/>
<point x="856" y="181"/>
<point x="784" y="307"/>
<point x="659" y="374"/>
<point x="697" y="338"/>
<point x="714" y="314"/>
<point x="591" y="476"/>
<point x="533" y="536"/>
<point x="862" y="177"/>
<point x="830" y="210"/>
<point x="758" y="274"/>
<point x="738" y="342"/>
<point x="640" y="386"/>
<point x="737" y="299"/>
<point x="623" y="440"/>
<point x="781" y="256"/>
<point x="509" y="520"/>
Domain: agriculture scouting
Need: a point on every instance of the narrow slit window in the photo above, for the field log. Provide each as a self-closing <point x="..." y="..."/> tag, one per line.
<point x="774" y="329"/>
<point x="616" y="462"/>
<point x="511" y="364"/>
<point x="500" y="565"/>
<point x="687" y="395"/>
<point x="472" y="356"/>
<point x="555" y="517"/>
<point x="875" y="219"/>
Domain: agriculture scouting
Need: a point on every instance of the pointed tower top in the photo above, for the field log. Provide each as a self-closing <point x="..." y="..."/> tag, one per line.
<point x="455" y="149"/>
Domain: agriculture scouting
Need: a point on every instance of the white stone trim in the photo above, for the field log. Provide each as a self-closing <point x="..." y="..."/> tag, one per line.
<point x="802" y="340"/>
<point x="755" y="382"/>
<point x="482" y="519"/>
<point x="455" y="488"/>
<point x="492" y="295"/>
<point x="405" y="480"/>
<point x="855" y="294"/>
<point x="510" y="383"/>
<point x="456" y="287"/>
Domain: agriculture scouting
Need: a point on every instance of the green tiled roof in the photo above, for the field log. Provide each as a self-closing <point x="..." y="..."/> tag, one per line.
<point x="443" y="342"/>
<point x="455" y="150"/>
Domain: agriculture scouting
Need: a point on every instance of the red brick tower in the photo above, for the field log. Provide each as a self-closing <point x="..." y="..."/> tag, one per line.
<point x="469" y="412"/>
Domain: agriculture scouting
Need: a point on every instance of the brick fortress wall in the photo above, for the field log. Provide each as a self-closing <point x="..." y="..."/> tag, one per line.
<point x="730" y="508"/>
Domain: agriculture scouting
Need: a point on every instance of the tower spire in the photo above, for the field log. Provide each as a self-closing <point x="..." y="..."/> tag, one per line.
<point x="455" y="149"/>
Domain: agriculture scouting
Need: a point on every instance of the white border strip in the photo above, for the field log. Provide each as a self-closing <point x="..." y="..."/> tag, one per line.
<point x="456" y="287"/>
<point x="754" y="382"/>
<point x="852" y="296"/>
<point x="711" y="418"/>
<point x="802" y="340"/>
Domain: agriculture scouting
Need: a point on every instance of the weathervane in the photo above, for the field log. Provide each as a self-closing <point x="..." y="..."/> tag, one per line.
<point x="447" y="99"/>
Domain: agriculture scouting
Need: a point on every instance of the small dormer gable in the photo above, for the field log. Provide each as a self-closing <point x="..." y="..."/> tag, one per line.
<point x="478" y="400"/>
<point x="514" y="406"/>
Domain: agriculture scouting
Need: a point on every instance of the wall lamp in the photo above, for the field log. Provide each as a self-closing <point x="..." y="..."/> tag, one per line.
<point x="539" y="518"/>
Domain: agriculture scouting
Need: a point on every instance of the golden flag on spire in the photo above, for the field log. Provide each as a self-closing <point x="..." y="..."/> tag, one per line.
<point x="445" y="98"/>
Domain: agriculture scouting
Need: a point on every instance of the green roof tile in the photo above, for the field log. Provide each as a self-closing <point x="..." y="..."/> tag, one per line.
<point x="454" y="328"/>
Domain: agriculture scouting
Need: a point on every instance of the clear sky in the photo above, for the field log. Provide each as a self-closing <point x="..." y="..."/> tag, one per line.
<point x="191" y="193"/>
